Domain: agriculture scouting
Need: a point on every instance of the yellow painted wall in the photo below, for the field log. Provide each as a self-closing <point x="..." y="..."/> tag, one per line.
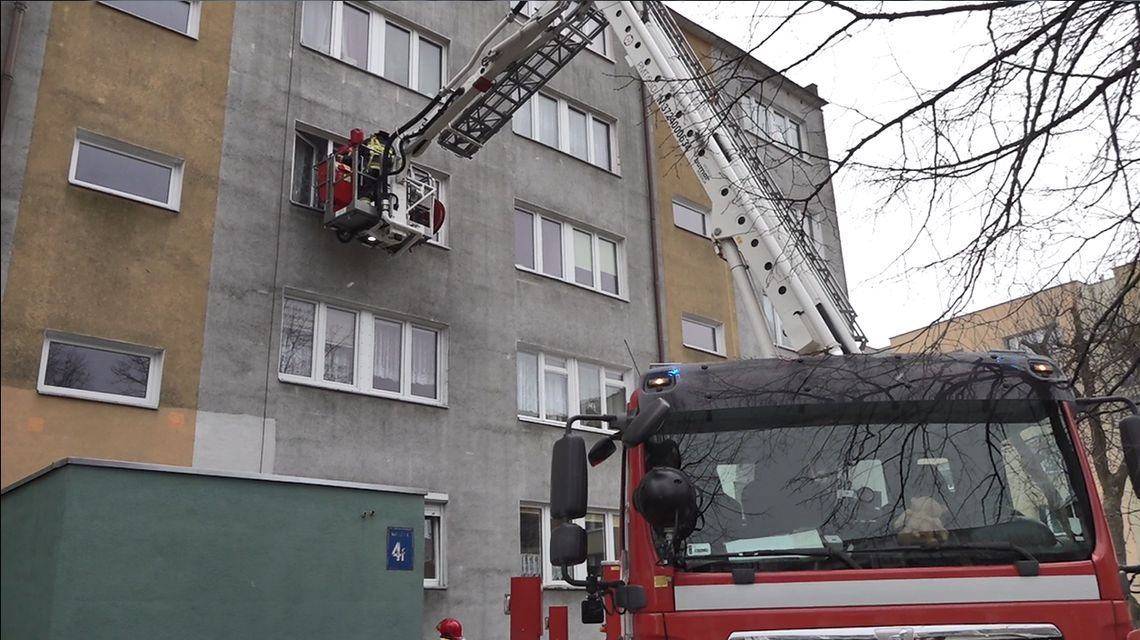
<point x="697" y="282"/>
<point x="94" y="264"/>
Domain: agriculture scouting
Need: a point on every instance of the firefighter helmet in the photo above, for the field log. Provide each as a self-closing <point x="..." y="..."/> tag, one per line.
<point x="450" y="628"/>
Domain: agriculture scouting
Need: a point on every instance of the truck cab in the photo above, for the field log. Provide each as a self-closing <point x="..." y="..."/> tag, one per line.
<point x="864" y="497"/>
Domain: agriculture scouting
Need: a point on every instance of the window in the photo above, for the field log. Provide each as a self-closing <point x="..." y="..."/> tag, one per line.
<point x="768" y="122"/>
<point x="310" y="148"/>
<point x="535" y="525"/>
<point x="598" y="45"/>
<point x="702" y="335"/>
<point x="775" y="324"/>
<point x="102" y="370"/>
<point x="1043" y="341"/>
<point x="552" y="387"/>
<point x="573" y="130"/>
<point x="374" y="42"/>
<point x="558" y="250"/>
<point x="360" y="351"/>
<point x="180" y="16"/>
<point x="690" y="218"/>
<point x="115" y="167"/>
<point x="434" y="547"/>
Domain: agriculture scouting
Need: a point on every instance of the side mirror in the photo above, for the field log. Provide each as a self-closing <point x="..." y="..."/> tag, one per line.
<point x="568" y="545"/>
<point x="647" y="422"/>
<point x="1130" y="438"/>
<point x="568" y="483"/>
<point x="601" y="450"/>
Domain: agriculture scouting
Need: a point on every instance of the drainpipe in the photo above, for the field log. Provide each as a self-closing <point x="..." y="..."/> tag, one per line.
<point x="18" y="9"/>
<point x="654" y="230"/>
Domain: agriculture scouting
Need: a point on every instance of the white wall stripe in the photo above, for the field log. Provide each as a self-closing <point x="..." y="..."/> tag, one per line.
<point x="854" y="593"/>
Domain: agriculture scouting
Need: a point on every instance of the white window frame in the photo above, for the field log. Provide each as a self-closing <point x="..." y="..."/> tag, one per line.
<point x="91" y="139"/>
<point x="435" y="505"/>
<point x="758" y="120"/>
<point x="549" y="579"/>
<point x="363" y="352"/>
<point x="528" y="111"/>
<point x="192" y="21"/>
<point x="705" y="215"/>
<point x="531" y="7"/>
<point x="567" y="244"/>
<point x="331" y="141"/>
<point x="573" y="390"/>
<point x="377" y="32"/>
<point x="154" y="375"/>
<point x="718" y="333"/>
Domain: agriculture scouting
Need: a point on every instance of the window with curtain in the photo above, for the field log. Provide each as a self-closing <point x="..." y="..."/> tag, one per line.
<point x="559" y="250"/>
<point x="535" y="527"/>
<point x="552" y="387"/>
<point x="570" y="129"/>
<point x="361" y="351"/>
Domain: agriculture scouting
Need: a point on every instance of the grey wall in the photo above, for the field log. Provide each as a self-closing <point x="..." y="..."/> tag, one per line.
<point x="475" y="450"/>
<point x="29" y="58"/>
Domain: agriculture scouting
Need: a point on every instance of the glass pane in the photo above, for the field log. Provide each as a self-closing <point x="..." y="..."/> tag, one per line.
<point x="297" y="338"/>
<point x="424" y="362"/>
<point x="607" y="264"/>
<point x="316" y="24"/>
<point x="524" y="239"/>
<point x="431" y="547"/>
<point x="794" y="136"/>
<point x="556" y="400"/>
<point x="90" y="369"/>
<point x="578" y="143"/>
<point x="547" y="120"/>
<point x="397" y="45"/>
<point x="778" y="123"/>
<point x="354" y="45"/>
<point x="696" y="334"/>
<point x="530" y="540"/>
<point x="520" y="123"/>
<point x="123" y="173"/>
<point x="595" y="542"/>
<point x="340" y="346"/>
<point x="431" y="61"/>
<point x="387" y="345"/>
<point x="555" y="362"/>
<point x="528" y="384"/>
<point x="598" y="44"/>
<point x="304" y="161"/>
<point x="583" y="258"/>
<point x="615" y="400"/>
<point x="601" y="133"/>
<point x="688" y="218"/>
<point x="551" y="248"/>
<point x="175" y="15"/>
<point x="590" y="391"/>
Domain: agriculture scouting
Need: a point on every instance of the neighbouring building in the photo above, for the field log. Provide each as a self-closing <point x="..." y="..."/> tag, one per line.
<point x="170" y="295"/>
<point x="1059" y="322"/>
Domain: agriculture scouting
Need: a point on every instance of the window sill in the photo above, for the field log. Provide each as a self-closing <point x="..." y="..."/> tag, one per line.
<point x="567" y="154"/>
<point x="333" y="386"/>
<point x="573" y="284"/>
<point x="691" y="232"/>
<point x="124" y="195"/>
<point x="366" y="71"/>
<point x="703" y="350"/>
<point x="435" y="587"/>
<point x="193" y="36"/>
<point x="562" y="425"/>
<point x="95" y="396"/>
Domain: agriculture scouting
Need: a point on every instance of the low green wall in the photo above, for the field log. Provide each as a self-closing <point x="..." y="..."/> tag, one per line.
<point x="99" y="552"/>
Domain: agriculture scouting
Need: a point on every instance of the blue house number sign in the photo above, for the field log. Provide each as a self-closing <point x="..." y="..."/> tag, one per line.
<point x="400" y="547"/>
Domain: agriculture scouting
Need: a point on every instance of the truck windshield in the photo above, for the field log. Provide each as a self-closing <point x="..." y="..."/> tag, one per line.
<point x="876" y="486"/>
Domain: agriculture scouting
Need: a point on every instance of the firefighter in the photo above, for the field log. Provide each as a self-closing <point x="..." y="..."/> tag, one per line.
<point x="375" y="164"/>
<point x="449" y="629"/>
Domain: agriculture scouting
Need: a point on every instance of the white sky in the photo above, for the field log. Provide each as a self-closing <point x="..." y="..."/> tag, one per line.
<point x="861" y="79"/>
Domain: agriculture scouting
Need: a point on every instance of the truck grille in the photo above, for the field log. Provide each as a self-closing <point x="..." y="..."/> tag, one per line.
<point x="929" y="632"/>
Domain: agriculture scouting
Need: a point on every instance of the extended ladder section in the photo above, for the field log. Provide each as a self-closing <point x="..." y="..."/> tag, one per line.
<point x="752" y="222"/>
<point x="572" y="26"/>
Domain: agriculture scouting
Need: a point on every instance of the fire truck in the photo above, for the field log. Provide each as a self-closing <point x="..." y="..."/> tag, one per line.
<point x="833" y="494"/>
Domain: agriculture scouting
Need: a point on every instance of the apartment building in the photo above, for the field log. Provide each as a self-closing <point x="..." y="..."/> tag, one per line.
<point x="170" y="295"/>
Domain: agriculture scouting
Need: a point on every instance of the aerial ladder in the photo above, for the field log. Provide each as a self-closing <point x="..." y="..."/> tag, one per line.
<point x="753" y="227"/>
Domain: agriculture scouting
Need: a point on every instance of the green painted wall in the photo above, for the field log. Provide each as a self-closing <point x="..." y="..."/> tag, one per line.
<point x="30" y="526"/>
<point x="148" y="554"/>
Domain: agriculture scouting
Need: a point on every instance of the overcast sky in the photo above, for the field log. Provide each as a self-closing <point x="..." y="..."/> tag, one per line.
<point x="874" y="75"/>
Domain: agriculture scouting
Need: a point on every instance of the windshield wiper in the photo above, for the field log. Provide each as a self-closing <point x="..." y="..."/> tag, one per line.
<point x="831" y="554"/>
<point x="1028" y="566"/>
